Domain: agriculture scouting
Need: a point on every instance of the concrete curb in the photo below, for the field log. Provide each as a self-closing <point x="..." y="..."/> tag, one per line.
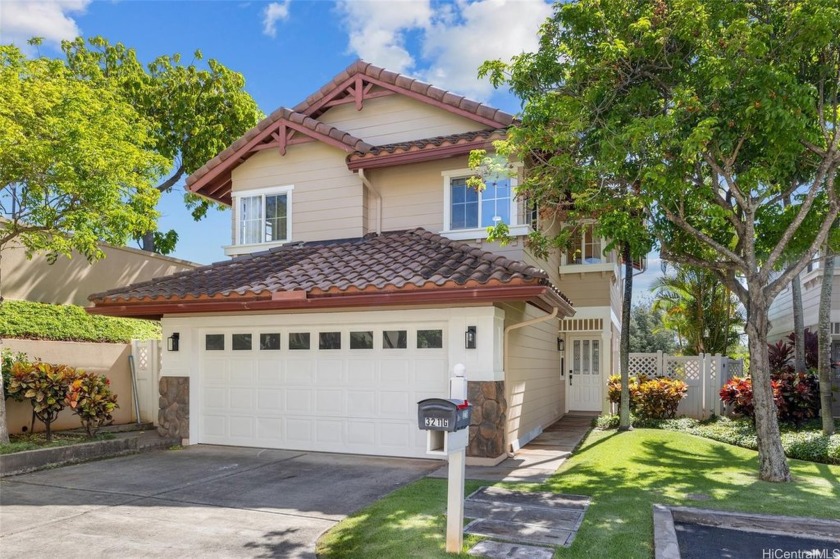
<point x="33" y="460"/>
<point x="666" y="545"/>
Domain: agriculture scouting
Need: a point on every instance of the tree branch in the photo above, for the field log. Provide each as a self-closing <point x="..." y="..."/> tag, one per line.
<point x="713" y="244"/>
<point x="171" y="181"/>
<point x="775" y="287"/>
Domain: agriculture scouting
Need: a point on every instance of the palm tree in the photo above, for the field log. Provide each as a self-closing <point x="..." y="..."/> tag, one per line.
<point x="702" y="312"/>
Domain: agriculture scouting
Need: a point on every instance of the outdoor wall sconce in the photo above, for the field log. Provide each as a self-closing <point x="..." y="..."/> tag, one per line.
<point x="561" y="344"/>
<point x="469" y="337"/>
<point x="172" y="341"/>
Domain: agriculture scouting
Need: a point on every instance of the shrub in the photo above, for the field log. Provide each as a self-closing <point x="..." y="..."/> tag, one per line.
<point x="650" y="398"/>
<point x="7" y="361"/>
<point x="90" y="397"/>
<point x="40" y="321"/>
<point x="796" y="395"/>
<point x="45" y="386"/>
<point x="659" y="398"/>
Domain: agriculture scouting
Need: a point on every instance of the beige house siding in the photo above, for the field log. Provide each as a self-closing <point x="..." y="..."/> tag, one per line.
<point x="587" y="289"/>
<point x="327" y="200"/>
<point x="71" y="280"/>
<point x="535" y="391"/>
<point x="110" y="360"/>
<point x="396" y="118"/>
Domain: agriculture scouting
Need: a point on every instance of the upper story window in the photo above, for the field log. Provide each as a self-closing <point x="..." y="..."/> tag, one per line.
<point x="263" y="216"/>
<point x="584" y="247"/>
<point x="468" y="213"/>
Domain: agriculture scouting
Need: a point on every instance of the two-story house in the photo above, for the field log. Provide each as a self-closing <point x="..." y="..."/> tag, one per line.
<point x="361" y="275"/>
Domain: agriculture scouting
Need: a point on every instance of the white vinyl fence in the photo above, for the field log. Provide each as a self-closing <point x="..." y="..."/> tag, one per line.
<point x="146" y="355"/>
<point x="704" y="375"/>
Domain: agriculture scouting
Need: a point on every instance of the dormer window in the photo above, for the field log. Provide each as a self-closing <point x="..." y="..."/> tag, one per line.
<point x="263" y="216"/>
<point x="468" y="213"/>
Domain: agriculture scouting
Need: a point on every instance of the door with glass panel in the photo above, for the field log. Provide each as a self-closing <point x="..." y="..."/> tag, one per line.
<point x="584" y="374"/>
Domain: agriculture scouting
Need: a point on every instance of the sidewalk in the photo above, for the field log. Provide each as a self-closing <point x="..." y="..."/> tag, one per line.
<point x="537" y="460"/>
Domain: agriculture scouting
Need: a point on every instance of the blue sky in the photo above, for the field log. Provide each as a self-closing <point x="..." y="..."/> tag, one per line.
<point x="286" y="50"/>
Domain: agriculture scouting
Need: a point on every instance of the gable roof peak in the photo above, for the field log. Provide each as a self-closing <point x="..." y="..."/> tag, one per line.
<point x="316" y="104"/>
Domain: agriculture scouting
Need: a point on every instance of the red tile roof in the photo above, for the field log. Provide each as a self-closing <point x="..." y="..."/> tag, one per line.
<point x="424" y="149"/>
<point x="406" y="84"/>
<point x="212" y="179"/>
<point x="409" y="262"/>
<point x="263" y="129"/>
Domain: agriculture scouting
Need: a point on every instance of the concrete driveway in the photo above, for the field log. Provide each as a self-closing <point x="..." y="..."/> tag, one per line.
<point x="203" y="501"/>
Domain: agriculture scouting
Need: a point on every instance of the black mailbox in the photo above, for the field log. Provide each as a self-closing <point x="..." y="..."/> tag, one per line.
<point x="437" y="414"/>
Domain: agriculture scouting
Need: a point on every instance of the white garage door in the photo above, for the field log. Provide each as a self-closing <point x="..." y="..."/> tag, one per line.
<point x="334" y="389"/>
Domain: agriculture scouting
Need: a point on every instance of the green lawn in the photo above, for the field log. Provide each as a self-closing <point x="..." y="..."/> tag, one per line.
<point x="624" y="474"/>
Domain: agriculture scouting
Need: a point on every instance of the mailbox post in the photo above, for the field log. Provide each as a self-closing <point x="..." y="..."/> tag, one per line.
<point x="447" y="422"/>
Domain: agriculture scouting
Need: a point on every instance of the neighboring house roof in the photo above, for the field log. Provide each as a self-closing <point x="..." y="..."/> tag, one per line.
<point x="355" y="84"/>
<point x="396" y="268"/>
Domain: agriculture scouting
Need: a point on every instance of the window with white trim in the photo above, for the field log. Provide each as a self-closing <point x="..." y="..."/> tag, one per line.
<point x="468" y="211"/>
<point x="263" y="216"/>
<point x="585" y="247"/>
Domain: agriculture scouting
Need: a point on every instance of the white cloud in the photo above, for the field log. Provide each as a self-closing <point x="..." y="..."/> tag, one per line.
<point x="453" y="38"/>
<point x="20" y="20"/>
<point x="486" y="30"/>
<point x="377" y="29"/>
<point x="274" y="12"/>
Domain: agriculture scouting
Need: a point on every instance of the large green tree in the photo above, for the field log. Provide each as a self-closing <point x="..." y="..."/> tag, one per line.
<point x="195" y="111"/>
<point x="701" y="310"/>
<point x="76" y="163"/>
<point x="725" y="109"/>
<point x="648" y="333"/>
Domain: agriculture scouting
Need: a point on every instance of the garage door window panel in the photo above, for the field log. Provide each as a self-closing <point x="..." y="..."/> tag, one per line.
<point x="241" y="342"/>
<point x="214" y="342"/>
<point x="361" y="340"/>
<point x="329" y="340"/>
<point x="395" y="339"/>
<point x="299" y="340"/>
<point x="429" y="339"/>
<point x="269" y="342"/>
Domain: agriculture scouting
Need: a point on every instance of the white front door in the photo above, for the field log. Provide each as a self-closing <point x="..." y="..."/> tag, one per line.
<point x="585" y="374"/>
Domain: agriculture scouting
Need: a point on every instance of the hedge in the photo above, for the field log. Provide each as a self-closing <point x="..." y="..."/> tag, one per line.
<point x="40" y="321"/>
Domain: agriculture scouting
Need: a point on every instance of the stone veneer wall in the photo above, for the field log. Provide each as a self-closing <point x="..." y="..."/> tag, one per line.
<point x="174" y="414"/>
<point x="489" y="416"/>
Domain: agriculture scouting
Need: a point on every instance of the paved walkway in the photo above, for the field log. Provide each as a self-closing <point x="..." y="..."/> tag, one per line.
<point x="538" y="459"/>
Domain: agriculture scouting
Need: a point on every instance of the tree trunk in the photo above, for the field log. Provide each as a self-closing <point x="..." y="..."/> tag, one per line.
<point x="624" y="349"/>
<point x="798" y="325"/>
<point x="772" y="464"/>
<point x="148" y="241"/>
<point x="4" y="431"/>
<point x="824" y="356"/>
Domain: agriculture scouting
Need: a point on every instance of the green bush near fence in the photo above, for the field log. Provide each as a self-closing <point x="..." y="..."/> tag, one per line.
<point x="40" y="321"/>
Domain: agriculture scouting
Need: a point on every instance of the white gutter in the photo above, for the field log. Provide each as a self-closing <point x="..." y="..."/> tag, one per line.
<point x="370" y="187"/>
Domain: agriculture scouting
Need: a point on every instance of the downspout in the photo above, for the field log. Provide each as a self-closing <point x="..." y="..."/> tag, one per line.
<point x="505" y="344"/>
<point x="369" y="186"/>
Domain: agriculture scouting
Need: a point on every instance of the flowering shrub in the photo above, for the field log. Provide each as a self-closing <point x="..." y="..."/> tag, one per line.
<point x="796" y="395"/>
<point x="650" y="398"/>
<point x="90" y="397"/>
